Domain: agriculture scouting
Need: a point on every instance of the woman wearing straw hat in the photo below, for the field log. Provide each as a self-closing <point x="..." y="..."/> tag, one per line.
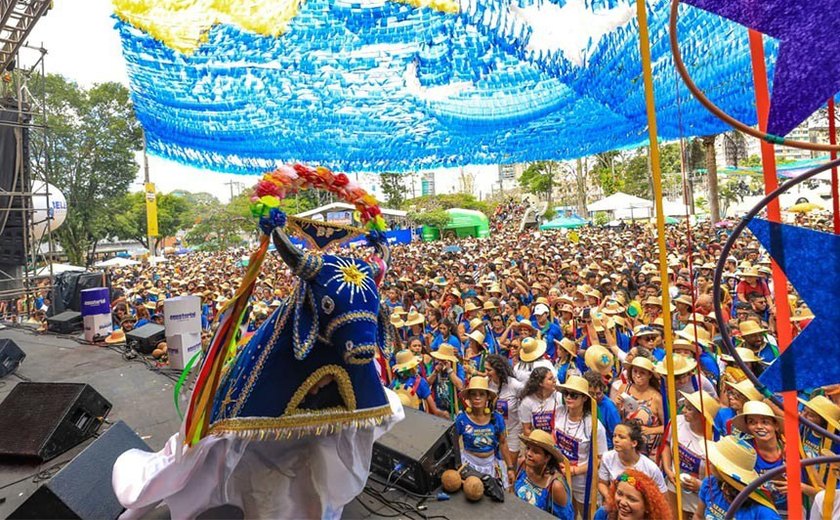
<point x="695" y="432"/>
<point x="508" y="390"/>
<point x="483" y="434"/>
<point x="413" y="390"/>
<point x="444" y="335"/>
<point x="732" y="460"/>
<point x="753" y="337"/>
<point x="446" y="379"/>
<point x="627" y="439"/>
<point x="475" y="354"/>
<point x="415" y="325"/>
<point x="531" y="356"/>
<point x="566" y="359"/>
<point x="758" y="420"/>
<point x="578" y="431"/>
<point x="821" y="411"/>
<point x="540" y="480"/>
<point x="641" y="402"/>
<point x="634" y="496"/>
<point x="736" y="396"/>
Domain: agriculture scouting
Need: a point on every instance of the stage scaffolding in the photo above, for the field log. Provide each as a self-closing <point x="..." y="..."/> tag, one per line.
<point x="20" y="109"/>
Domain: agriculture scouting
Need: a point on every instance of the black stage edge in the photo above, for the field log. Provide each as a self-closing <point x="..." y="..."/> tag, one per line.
<point x="143" y="399"/>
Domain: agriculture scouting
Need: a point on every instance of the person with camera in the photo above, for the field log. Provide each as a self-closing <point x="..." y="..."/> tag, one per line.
<point x="446" y="380"/>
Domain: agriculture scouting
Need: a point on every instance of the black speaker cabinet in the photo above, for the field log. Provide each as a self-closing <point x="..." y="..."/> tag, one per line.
<point x="11" y="356"/>
<point x="423" y="444"/>
<point x="39" y="421"/>
<point x="83" y="489"/>
<point x="144" y="339"/>
<point x="65" y="323"/>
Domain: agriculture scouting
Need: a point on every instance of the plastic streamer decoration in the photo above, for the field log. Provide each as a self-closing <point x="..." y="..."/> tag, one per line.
<point x="389" y="85"/>
<point x="268" y="193"/>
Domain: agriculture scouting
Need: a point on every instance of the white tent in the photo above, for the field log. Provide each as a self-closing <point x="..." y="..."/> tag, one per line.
<point x="57" y="269"/>
<point x="116" y="262"/>
<point x="623" y="206"/>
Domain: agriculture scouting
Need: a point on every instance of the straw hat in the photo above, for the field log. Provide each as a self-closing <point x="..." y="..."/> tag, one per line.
<point x="526" y="323"/>
<point x="749" y="272"/>
<point x="489" y="306"/>
<point x="494" y="289"/>
<point x="594" y="293"/>
<point x="745" y="388"/>
<point x="544" y="440"/>
<point x="440" y="281"/>
<point x="644" y="330"/>
<point x="802" y="314"/>
<point x="684" y="299"/>
<point x="735" y="459"/>
<point x="643" y="363"/>
<point x="826" y="409"/>
<point x="598" y="358"/>
<point x="746" y="355"/>
<point x="414" y="318"/>
<point x="575" y="384"/>
<point x="405" y="360"/>
<point x="478" y="383"/>
<point x="569" y="346"/>
<point x="532" y="349"/>
<point x="613" y="308"/>
<point x="696" y="317"/>
<point x="476" y="336"/>
<point x="700" y="335"/>
<point x="118" y="336"/>
<point x="399" y="311"/>
<point x="682" y="365"/>
<point x="710" y="405"/>
<point x="396" y="321"/>
<point x="755" y="408"/>
<point x="749" y="327"/>
<point x="470" y="306"/>
<point x="567" y="308"/>
<point x="446" y="352"/>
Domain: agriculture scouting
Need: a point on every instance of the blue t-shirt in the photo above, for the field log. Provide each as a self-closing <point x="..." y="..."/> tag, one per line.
<point x="549" y="333"/>
<point x="452" y="340"/>
<point x="480" y="438"/>
<point x="609" y="417"/>
<point x="541" y="497"/>
<point x="423" y="389"/>
<point x="762" y="466"/>
<point x="723" y="421"/>
<point x="717" y="505"/>
<point x="601" y="514"/>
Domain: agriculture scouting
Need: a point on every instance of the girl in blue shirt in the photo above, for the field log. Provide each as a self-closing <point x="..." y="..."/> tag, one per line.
<point x="483" y="433"/>
<point x="540" y="480"/>
<point x="758" y="420"/>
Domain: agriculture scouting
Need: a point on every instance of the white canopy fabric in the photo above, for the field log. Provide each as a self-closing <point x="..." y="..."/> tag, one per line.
<point x="620" y="201"/>
<point x="57" y="269"/>
<point x="116" y="262"/>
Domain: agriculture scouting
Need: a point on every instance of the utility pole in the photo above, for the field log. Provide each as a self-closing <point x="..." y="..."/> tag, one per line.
<point x="230" y="184"/>
<point x="150" y="193"/>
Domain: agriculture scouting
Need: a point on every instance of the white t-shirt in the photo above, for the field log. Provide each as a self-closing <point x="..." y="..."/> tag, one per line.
<point x="692" y="461"/>
<point x="816" y="509"/>
<point x="688" y="388"/>
<point x="611" y="467"/>
<point x="573" y="439"/>
<point x="522" y="371"/>
<point x="540" y="413"/>
<point x="507" y="404"/>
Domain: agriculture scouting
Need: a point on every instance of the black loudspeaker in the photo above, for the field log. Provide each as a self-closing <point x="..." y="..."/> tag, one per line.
<point x="418" y="449"/>
<point x="65" y="323"/>
<point x="11" y="356"/>
<point x="83" y="488"/>
<point x="68" y="287"/>
<point x="87" y="281"/>
<point x="14" y="147"/>
<point x="144" y="339"/>
<point x="39" y="421"/>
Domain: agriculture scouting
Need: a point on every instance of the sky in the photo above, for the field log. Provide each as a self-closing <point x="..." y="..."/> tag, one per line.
<point x="83" y="45"/>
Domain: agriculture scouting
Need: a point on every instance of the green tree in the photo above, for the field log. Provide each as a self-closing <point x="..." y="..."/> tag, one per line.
<point x="226" y="225"/>
<point x="636" y="176"/>
<point x="436" y="218"/>
<point x="392" y="187"/>
<point x="447" y="201"/>
<point x="538" y="178"/>
<point x="609" y="171"/>
<point x="91" y="138"/>
<point x="601" y="218"/>
<point x="129" y="217"/>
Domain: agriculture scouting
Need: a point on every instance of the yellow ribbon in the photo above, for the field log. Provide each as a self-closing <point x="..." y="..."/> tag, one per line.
<point x="656" y="170"/>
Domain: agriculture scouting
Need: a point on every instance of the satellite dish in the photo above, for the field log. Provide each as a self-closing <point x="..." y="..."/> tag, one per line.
<point x="43" y="216"/>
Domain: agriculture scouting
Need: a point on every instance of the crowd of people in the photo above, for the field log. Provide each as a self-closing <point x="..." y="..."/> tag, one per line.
<point x="547" y="351"/>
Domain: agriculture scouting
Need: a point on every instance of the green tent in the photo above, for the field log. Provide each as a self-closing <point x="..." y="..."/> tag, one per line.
<point x="462" y="223"/>
<point x="564" y="222"/>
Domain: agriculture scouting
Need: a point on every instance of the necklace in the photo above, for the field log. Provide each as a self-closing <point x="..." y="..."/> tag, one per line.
<point x="577" y="428"/>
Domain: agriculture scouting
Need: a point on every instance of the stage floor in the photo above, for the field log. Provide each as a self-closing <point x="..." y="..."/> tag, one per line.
<point x="143" y="398"/>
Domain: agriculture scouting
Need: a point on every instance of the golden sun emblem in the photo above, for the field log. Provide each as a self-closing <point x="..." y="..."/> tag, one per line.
<point x="351" y="277"/>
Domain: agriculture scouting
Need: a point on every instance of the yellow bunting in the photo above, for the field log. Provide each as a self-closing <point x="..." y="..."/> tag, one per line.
<point x="647" y="74"/>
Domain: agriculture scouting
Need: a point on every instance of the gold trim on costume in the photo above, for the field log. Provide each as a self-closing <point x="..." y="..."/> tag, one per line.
<point x="345" y="389"/>
<point x="323" y="229"/>
<point x="346" y="318"/>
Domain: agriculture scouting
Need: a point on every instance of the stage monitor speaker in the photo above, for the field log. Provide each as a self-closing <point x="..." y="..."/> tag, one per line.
<point x="67" y="289"/>
<point x="420" y="447"/>
<point x="145" y="339"/>
<point x="82" y="489"/>
<point x="11" y="356"/>
<point x="87" y="281"/>
<point x="39" y="421"/>
<point x="65" y="323"/>
<point x="14" y="178"/>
